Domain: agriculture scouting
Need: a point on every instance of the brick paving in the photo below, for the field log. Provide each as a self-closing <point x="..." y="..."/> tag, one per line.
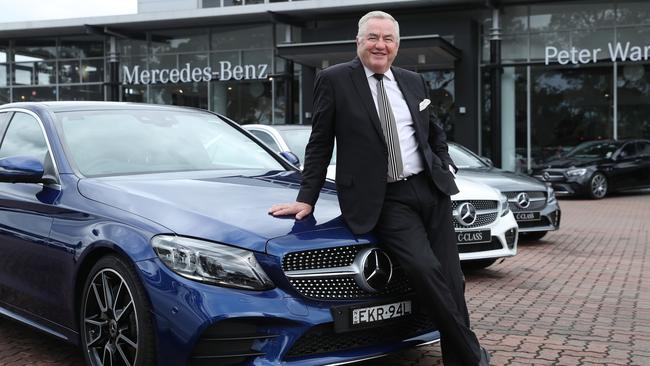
<point x="581" y="296"/>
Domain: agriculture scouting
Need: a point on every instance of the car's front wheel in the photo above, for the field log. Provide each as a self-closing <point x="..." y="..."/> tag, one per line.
<point x="116" y="325"/>
<point x="598" y="186"/>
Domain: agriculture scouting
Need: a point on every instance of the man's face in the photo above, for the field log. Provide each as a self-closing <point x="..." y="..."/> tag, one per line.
<point x="377" y="47"/>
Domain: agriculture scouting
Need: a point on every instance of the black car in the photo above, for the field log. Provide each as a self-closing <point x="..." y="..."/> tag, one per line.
<point x="596" y="168"/>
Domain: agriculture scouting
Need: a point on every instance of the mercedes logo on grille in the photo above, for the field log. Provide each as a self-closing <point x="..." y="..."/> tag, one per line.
<point x="466" y="214"/>
<point x="523" y="200"/>
<point x="376" y="269"/>
<point x="546" y="176"/>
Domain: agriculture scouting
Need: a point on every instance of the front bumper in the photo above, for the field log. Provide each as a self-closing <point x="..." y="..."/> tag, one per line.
<point x="199" y="324"/>
<point x="549" y="220"/>
<point x="504" y="233"/>
<point x="564" y="185"/>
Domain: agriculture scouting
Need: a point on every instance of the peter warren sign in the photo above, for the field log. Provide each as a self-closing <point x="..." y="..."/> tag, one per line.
<point x="188" y="74"/>
<point x="618" y="51"/>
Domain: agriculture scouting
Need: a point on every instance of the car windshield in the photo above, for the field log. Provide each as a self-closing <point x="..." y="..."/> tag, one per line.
<point x="120" y="142"/>
<point x="594" y="149"/>
<point x="297" y="140"/>
<point x="463" y="158"/>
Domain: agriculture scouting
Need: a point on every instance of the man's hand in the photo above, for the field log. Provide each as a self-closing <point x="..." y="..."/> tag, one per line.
<point x="300" y="209"/>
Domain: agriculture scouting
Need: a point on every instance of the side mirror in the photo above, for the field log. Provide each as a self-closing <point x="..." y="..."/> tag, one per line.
<point x="487" y="161"/>
<point x="291" y="158"/>
<point x="21" y="169"/>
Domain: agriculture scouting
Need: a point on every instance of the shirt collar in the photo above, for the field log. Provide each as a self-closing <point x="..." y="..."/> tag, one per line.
<point x="369" y="73"/>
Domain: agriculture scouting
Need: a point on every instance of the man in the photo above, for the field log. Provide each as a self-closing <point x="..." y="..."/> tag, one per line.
<point x="392" y="174"/>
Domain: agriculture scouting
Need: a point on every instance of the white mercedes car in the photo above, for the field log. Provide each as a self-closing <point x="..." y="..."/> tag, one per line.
<point x="486" y="229"/>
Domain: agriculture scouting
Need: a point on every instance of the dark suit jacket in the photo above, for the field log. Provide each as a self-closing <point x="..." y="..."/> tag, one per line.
<point x="344" y="109"/>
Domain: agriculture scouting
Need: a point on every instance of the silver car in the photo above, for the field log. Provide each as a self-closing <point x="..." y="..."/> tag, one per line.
<point x="533" y="203"/>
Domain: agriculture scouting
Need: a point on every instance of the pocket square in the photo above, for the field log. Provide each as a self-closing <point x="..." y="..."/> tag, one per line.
<point x="424" y="103"/>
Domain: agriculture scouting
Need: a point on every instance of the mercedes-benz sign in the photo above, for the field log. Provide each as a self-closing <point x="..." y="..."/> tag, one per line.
<point x="523" y="200"/>
<point x="466" y="214"/>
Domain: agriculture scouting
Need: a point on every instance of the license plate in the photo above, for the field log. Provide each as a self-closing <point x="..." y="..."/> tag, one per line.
<point x="381" y="312"/>
<point x="527" y="216"/>
<point x="473" y="237"/>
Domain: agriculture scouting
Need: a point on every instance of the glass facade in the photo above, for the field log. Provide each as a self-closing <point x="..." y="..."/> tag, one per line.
<point x="573" y="72"/>
<point x="63" y="68"/>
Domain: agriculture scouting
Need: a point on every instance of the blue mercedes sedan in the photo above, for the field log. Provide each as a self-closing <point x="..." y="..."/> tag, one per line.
<point x="141" y="234"/>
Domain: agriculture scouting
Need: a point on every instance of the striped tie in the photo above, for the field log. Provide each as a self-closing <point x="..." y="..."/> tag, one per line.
<point x="388" y="125"/>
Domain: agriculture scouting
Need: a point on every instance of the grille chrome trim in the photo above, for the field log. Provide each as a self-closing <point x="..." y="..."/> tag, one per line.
<point x="324" y="272"/>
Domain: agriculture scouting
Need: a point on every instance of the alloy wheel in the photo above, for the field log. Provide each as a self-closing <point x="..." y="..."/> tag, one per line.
<point x="598" y="186"/>
<point x="110" y="321"/>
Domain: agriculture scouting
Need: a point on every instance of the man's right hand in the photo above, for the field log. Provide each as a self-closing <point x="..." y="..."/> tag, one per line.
<point x="300" y="209"/>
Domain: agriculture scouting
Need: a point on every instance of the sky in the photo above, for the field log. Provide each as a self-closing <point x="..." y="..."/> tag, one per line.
<point x="30" y="10"/>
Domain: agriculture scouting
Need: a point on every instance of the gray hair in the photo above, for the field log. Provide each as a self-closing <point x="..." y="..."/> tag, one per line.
<point x="376" y="15"/>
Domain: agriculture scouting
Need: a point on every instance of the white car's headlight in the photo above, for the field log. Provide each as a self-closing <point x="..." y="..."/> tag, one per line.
<point x="576" y="172"/>
<point x="211" y="262"/>
<point x="550" y="194"/>
<point x="505" y="206"/>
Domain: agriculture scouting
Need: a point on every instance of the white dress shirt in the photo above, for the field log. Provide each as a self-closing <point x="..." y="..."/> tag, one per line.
<point x="411" y="159"/>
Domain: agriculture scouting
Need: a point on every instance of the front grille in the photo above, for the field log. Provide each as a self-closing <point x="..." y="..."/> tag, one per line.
<point x="495" y="244"/>
<point x="335" y="286"/>
<point x="478" y="204"/>
<point x="534" y="205"/>
<point x="321" y="258"/>
<point x="481" y="220"/>
<point x="229" y="342"/>
<point x="346" y="288"/>
<point x="322" y="339"/>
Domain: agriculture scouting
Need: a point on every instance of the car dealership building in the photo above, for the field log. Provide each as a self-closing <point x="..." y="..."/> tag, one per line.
<point x="517" y="81"/>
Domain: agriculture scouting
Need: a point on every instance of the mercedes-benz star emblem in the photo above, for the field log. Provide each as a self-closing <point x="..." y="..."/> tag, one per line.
<point x="376" y="269"/>
<point x="523" y="200"/>
<point x="466" y="214"/>
<point x="546" y="176"/>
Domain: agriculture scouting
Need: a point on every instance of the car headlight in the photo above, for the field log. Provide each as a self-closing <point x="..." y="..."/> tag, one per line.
<point x="505" y="206"/>
<point x="576" y="172"/>
<point x="550" y="194"/>
<point x="211" y="262"/>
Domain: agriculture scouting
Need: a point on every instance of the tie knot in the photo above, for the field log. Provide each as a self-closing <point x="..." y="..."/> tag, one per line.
<point x="378" y="76"/>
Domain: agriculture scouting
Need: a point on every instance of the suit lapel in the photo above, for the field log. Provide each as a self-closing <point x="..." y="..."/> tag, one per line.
<point x="363" y="89"/>
<point x="411" y="101"/>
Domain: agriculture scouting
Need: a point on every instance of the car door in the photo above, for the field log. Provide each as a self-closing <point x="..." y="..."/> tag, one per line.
<point x="626" y="167"/>
<point x="30" y="273"/>
<point x="643" y="152"/>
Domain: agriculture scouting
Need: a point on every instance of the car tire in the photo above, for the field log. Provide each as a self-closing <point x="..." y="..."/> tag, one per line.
<point x="532" y="236"/>
<point x="598" y="186"/>
<point x="115" y="318"/>
<point x="478" y="263"/>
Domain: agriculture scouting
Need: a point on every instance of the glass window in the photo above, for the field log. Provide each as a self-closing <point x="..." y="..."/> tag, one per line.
<point x="514" y="20"/>
<point x="243" y="101"/>
<point x="123" y="142"/>
<point x="628" y="151"/>
<point x="561" y="16"/>
<point x="34" y="94"/>
<point x="80" y="47"/>
<point x="569" y="106"/>
<point x="633" y="100"/>
<point x="266" y="138"/>
<point x="69" y="72"/>
<point x="441" y="93"/>
<point x="3" y="53"/>
<point x="637" y="36"/>
<point x="34" y="50"/>
<point x="189" y="40"/>
<point x="92" y="71"/>
<point x="643" y="148"/>
<point x="539" y="42"/>
<point x="131" y="47"/>
<point x="4" y="74"/>
<point x="24" y="137"/>
<point x="81" y="92"/>
<point x="514" y="48"/>
<point x="134" y="93"/>
<point x="238" y="37"/>
<point x="258" y="57"/>
<point x="593" y="39"/>
<point x="4" y="95"/>
<point x="211" y="3"/>
<point x="633" y="12"/>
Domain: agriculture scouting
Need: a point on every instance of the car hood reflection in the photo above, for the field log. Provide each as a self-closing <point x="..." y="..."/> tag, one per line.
<point x="225" y="209"/>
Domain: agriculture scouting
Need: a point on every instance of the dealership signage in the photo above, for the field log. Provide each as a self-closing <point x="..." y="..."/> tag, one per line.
<point x="619" y="51"/>
<point x="188" y="74"/>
